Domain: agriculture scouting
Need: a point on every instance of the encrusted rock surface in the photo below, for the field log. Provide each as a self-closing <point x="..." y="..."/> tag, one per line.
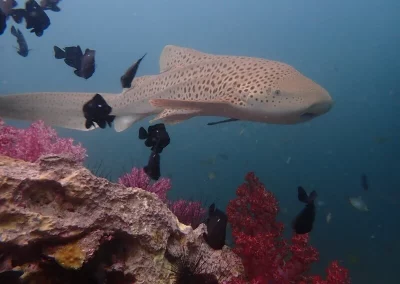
<point x="61" y="224"/>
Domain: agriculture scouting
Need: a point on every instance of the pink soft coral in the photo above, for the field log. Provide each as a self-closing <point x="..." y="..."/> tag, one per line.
<point x="37" y="140"/>
<point x="266" y="256"/>
<point x="138" y="178"/>
<point x="190" y="213"/>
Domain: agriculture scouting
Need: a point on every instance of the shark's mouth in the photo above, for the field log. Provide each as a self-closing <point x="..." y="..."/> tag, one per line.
<point x="316" y="110"/>
<point x="308" y="115"/>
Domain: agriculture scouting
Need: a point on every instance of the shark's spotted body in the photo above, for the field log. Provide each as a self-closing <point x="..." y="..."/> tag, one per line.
<point x="191" y="83"/>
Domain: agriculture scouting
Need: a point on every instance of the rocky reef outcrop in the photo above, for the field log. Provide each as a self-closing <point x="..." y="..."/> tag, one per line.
<point x="61" y="224"/>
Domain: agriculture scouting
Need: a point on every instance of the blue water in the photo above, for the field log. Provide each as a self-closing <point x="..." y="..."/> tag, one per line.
<point x="349" y="47"/>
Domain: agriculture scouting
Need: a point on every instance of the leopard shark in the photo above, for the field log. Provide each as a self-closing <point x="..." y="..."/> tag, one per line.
<point x="191" y="83"/>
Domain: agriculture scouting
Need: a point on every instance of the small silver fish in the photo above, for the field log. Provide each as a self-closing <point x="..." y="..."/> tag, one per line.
<point x="358" y="203"/>
<point x="329" y="217"/>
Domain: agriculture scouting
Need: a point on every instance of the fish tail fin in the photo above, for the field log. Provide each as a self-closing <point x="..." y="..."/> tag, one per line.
<point x="142" y="133"/>
<point x="110" y="119"/>
<point x="18" y="15"/>
<point x="313" y="195"/>
<point x="55" y="8"/>
<point x="59" y="53"/>
<point x="302" y="194"/>
<point x="14" y="31"/>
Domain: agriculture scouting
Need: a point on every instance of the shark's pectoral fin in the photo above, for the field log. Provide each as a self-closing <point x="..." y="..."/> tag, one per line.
<point x="179" y="110"/>
<point x="187" y="104"/>
<point x="174" y="116"/>
<point x="122" y="123"/>
<point x="222" y="121"/>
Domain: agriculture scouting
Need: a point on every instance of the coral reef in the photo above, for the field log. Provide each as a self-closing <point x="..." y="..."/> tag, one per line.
<point x="266" y="256"/>
<point x="61" y="224"/>
<point x="188" y="212"/>
<point x="37" y="140"/>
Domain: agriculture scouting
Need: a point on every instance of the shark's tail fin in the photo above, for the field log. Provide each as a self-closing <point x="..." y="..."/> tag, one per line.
<point x="55" y="109"/>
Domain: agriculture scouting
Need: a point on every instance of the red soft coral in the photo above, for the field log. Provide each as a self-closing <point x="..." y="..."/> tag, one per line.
<point x="266" y="256"/>
<point x="336" y="274"/>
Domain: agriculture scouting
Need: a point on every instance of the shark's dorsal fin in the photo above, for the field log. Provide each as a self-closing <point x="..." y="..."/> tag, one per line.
<point x="175" y="56"/>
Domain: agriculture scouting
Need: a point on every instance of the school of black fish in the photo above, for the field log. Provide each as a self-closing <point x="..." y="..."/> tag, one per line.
<point x="37" y="21"/>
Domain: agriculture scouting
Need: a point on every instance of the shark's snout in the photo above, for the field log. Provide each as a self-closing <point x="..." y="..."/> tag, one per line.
<point x="318" y="108"/>
<point x="308" y="99"/>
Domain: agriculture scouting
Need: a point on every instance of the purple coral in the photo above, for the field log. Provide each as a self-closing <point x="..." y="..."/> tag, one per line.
<point x="188" y="212"/>
<point x="37" y="140"/>
<point x="138" y="178"/>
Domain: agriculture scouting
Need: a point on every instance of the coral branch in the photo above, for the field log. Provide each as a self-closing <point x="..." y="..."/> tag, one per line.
<point x="266" y="256"/>
<point x="35" y="141"/>
<point x="138" y="178"/>
<point x="188" y="212"/>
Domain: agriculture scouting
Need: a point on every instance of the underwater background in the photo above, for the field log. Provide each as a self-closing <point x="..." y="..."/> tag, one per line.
<point x="351" y="48"/>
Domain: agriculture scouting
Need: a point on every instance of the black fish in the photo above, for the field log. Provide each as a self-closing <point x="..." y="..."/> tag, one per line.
<point x="23" y="49"/>
<point x="156" y="137"/>
<point x="303" y="223"/>
<point x="10" y="276"/>
<point x="34" y="15"/>
<point x="87" y="67"/>
<point x="223" y="121"/>
<point x="72" y="55"/>
<point x="3" y="22"/>
<point x="84" y="64"/>
<point x="152" y="169"/>
<point x="97" y="111"/>
<point x="50" y="5"/>
<point x="216" y="228"/>
<point x="6" y="7"/>
<point x="126" y="79"/>
<point x="364" y="182"/>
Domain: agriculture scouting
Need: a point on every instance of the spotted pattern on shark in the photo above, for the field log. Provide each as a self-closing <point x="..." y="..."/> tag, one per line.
<point x="191" y="84"/>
